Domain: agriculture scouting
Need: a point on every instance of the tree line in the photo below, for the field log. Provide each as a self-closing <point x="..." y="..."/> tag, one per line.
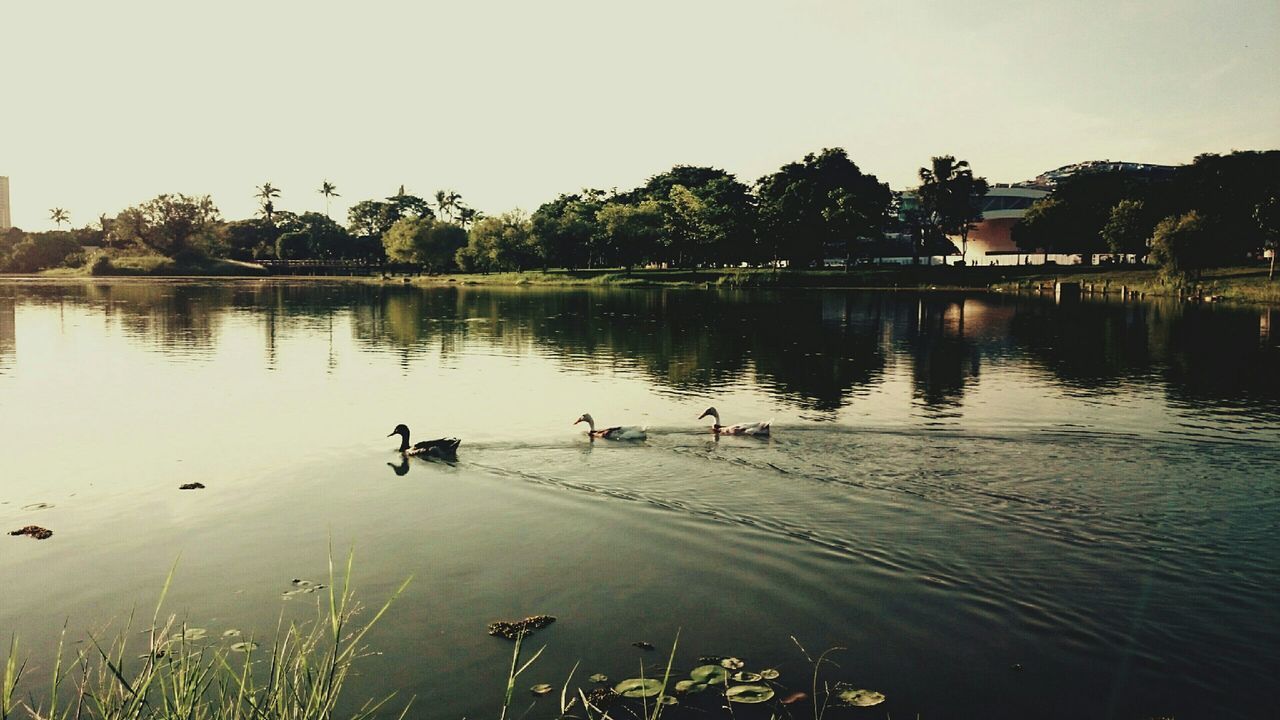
<point x="1217" y="210"/>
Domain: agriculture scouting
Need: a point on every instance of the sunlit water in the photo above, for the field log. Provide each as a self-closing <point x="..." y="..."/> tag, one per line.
<point x="955" y="487"/>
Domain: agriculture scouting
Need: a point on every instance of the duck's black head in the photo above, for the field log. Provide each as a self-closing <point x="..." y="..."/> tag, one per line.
<point x="400" y="430"/>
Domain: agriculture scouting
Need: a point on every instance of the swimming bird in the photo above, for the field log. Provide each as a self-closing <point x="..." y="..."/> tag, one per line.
<point x="446" y="448"/>
<point x="759" y="429"/>
<point x="620" y="432"/>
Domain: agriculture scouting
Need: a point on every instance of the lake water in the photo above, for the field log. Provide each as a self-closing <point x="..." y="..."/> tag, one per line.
<point x="1001" y="507"/>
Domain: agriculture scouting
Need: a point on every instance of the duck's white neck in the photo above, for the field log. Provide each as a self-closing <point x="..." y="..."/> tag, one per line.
<point x="590" y="423"/>
<point x="716" y="415"/>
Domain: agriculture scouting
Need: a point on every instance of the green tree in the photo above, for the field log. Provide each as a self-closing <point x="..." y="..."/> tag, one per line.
<point x="39" y="251"/>
<point x="329" y="191"/>
<point x="1128" y="229"/>
<point x="253" y="238"/>
<point x="631" y="232"/>
<point x="1267" y="215"/>
<point x="322" y="238"/>
<point x="566" y="229"/>
<point x="170" y="224"/>
<point x="1180" y="246"/>
<point x="424" y="241"/>
<point x="1046" y="227"/>
<point x="799" y="212"/>
<point x="266" y="195"/>
<point x="951" y="197"/>
<point x="501" y="243"/>
<point x="59" y="216"/>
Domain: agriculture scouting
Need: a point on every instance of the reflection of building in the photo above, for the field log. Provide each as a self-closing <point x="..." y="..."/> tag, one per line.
<point x="8" y="331"/>
<point x="6" y="220"/>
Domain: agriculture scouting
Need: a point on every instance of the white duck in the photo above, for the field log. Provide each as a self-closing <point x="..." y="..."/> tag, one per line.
<point x="759" y="429"/>
<point x="620" y="432"/>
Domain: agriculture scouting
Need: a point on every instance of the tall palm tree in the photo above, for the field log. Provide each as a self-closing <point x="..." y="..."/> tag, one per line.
<point x="266" y="194"/>
<point x="328" y="190"/>
<point x="59" y="216"/>
<point x="951" y="197"/>
<point x="449" y="202"/>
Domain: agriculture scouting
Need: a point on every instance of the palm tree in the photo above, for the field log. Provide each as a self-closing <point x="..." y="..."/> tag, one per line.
<point x="950" y="196"/>
<point x="468" y="215"/>
<point x="59" y="216"/>
<point x="267" y="193"/>
<point x="328" y="190"/>
<point x="449" y="202"/>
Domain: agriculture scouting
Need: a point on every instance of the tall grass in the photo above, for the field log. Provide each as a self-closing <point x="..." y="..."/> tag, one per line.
<point x="301" y="676"/>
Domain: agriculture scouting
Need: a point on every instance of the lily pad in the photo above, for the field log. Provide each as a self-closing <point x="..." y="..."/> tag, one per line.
<point x="541" y="689"/>
<point x="860" y="698"/>
<point x="744" y="676"/>
<point x="599" y="678"/>
<point x="232" y="633"/>
<point x="38" y="506"/>
<point x="191" y="634"/>
<point x="643" y="645"/>
<point x="770" y="674"/>
<point x="245" y="646"/>
<point x="732" y="663"/>
<point x="668" y="700"/>
<point x="749" y="693"/>
<point x="709" y="675"/>
<point x="689" y="686"/>
<point x="639" y="688"/>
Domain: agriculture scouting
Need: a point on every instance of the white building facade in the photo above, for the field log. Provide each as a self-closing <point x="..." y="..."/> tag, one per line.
<point x="6" y="220"/>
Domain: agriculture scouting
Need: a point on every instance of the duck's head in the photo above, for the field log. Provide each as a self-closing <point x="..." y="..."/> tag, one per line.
<point x="585" y="418"/>
<point x="400" y="430"/>
<point x="710" y="411"/>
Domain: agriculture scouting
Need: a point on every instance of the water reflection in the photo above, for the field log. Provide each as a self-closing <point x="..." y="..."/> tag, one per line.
<point x="815" y="351"/>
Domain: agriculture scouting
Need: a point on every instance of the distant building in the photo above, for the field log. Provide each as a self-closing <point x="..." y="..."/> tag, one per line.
<point x="1141" y="171"/>
<point x="6" y="221"/>
<point x="991" y="239"/>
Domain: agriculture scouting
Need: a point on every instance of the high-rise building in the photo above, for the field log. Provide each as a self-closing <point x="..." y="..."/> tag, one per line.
<point x="6" y="221"/>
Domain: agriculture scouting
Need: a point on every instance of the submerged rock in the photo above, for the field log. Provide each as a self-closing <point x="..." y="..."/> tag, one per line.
<point x="513" y="629"/>
<point x="34" y="531"/>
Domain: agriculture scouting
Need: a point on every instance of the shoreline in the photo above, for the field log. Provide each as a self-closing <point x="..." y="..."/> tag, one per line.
<point x="1238" y="285"/>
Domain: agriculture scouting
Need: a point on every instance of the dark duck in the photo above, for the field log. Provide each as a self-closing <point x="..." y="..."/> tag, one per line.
<point x="446" y="448"/>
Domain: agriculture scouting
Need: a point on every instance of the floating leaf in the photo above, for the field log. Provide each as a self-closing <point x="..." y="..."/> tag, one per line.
<point x="191" y="634"/>
<point x="710" y="675"/>
<point x="749" y="693"/>
<point x="34" y="531"/>
<point x="770" y="674"/>
<point x="643" y="645"/>
<point x="244" y="646"/>
<point x="638" y="687"/>
<point x="232" y="633"/>
<point x="689" y="686"/>
<point x="744" y="676"/>
<point x="732" y="663"/>
<point x="667" y="700"/>
<point x="38" y="506"/>
<point x="860" y="698"/>
<point x="541" y="689"/>
<point x="191" y="486"/>
<point x="599" y="678"/>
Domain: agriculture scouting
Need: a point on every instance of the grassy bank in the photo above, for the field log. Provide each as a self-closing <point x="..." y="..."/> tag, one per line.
<point x="869" y="277"/>
<point x="1235" y="284"/>
<point x="109" y="263"/>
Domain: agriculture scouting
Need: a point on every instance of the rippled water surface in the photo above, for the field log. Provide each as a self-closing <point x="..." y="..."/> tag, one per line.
<point x="956" y="485"/>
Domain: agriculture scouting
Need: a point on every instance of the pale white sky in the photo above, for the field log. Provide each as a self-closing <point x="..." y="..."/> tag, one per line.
<point x="107" y="104"/>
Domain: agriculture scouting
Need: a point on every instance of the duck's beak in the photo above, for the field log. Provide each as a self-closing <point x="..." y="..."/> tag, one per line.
<point x="393" y="432"/>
